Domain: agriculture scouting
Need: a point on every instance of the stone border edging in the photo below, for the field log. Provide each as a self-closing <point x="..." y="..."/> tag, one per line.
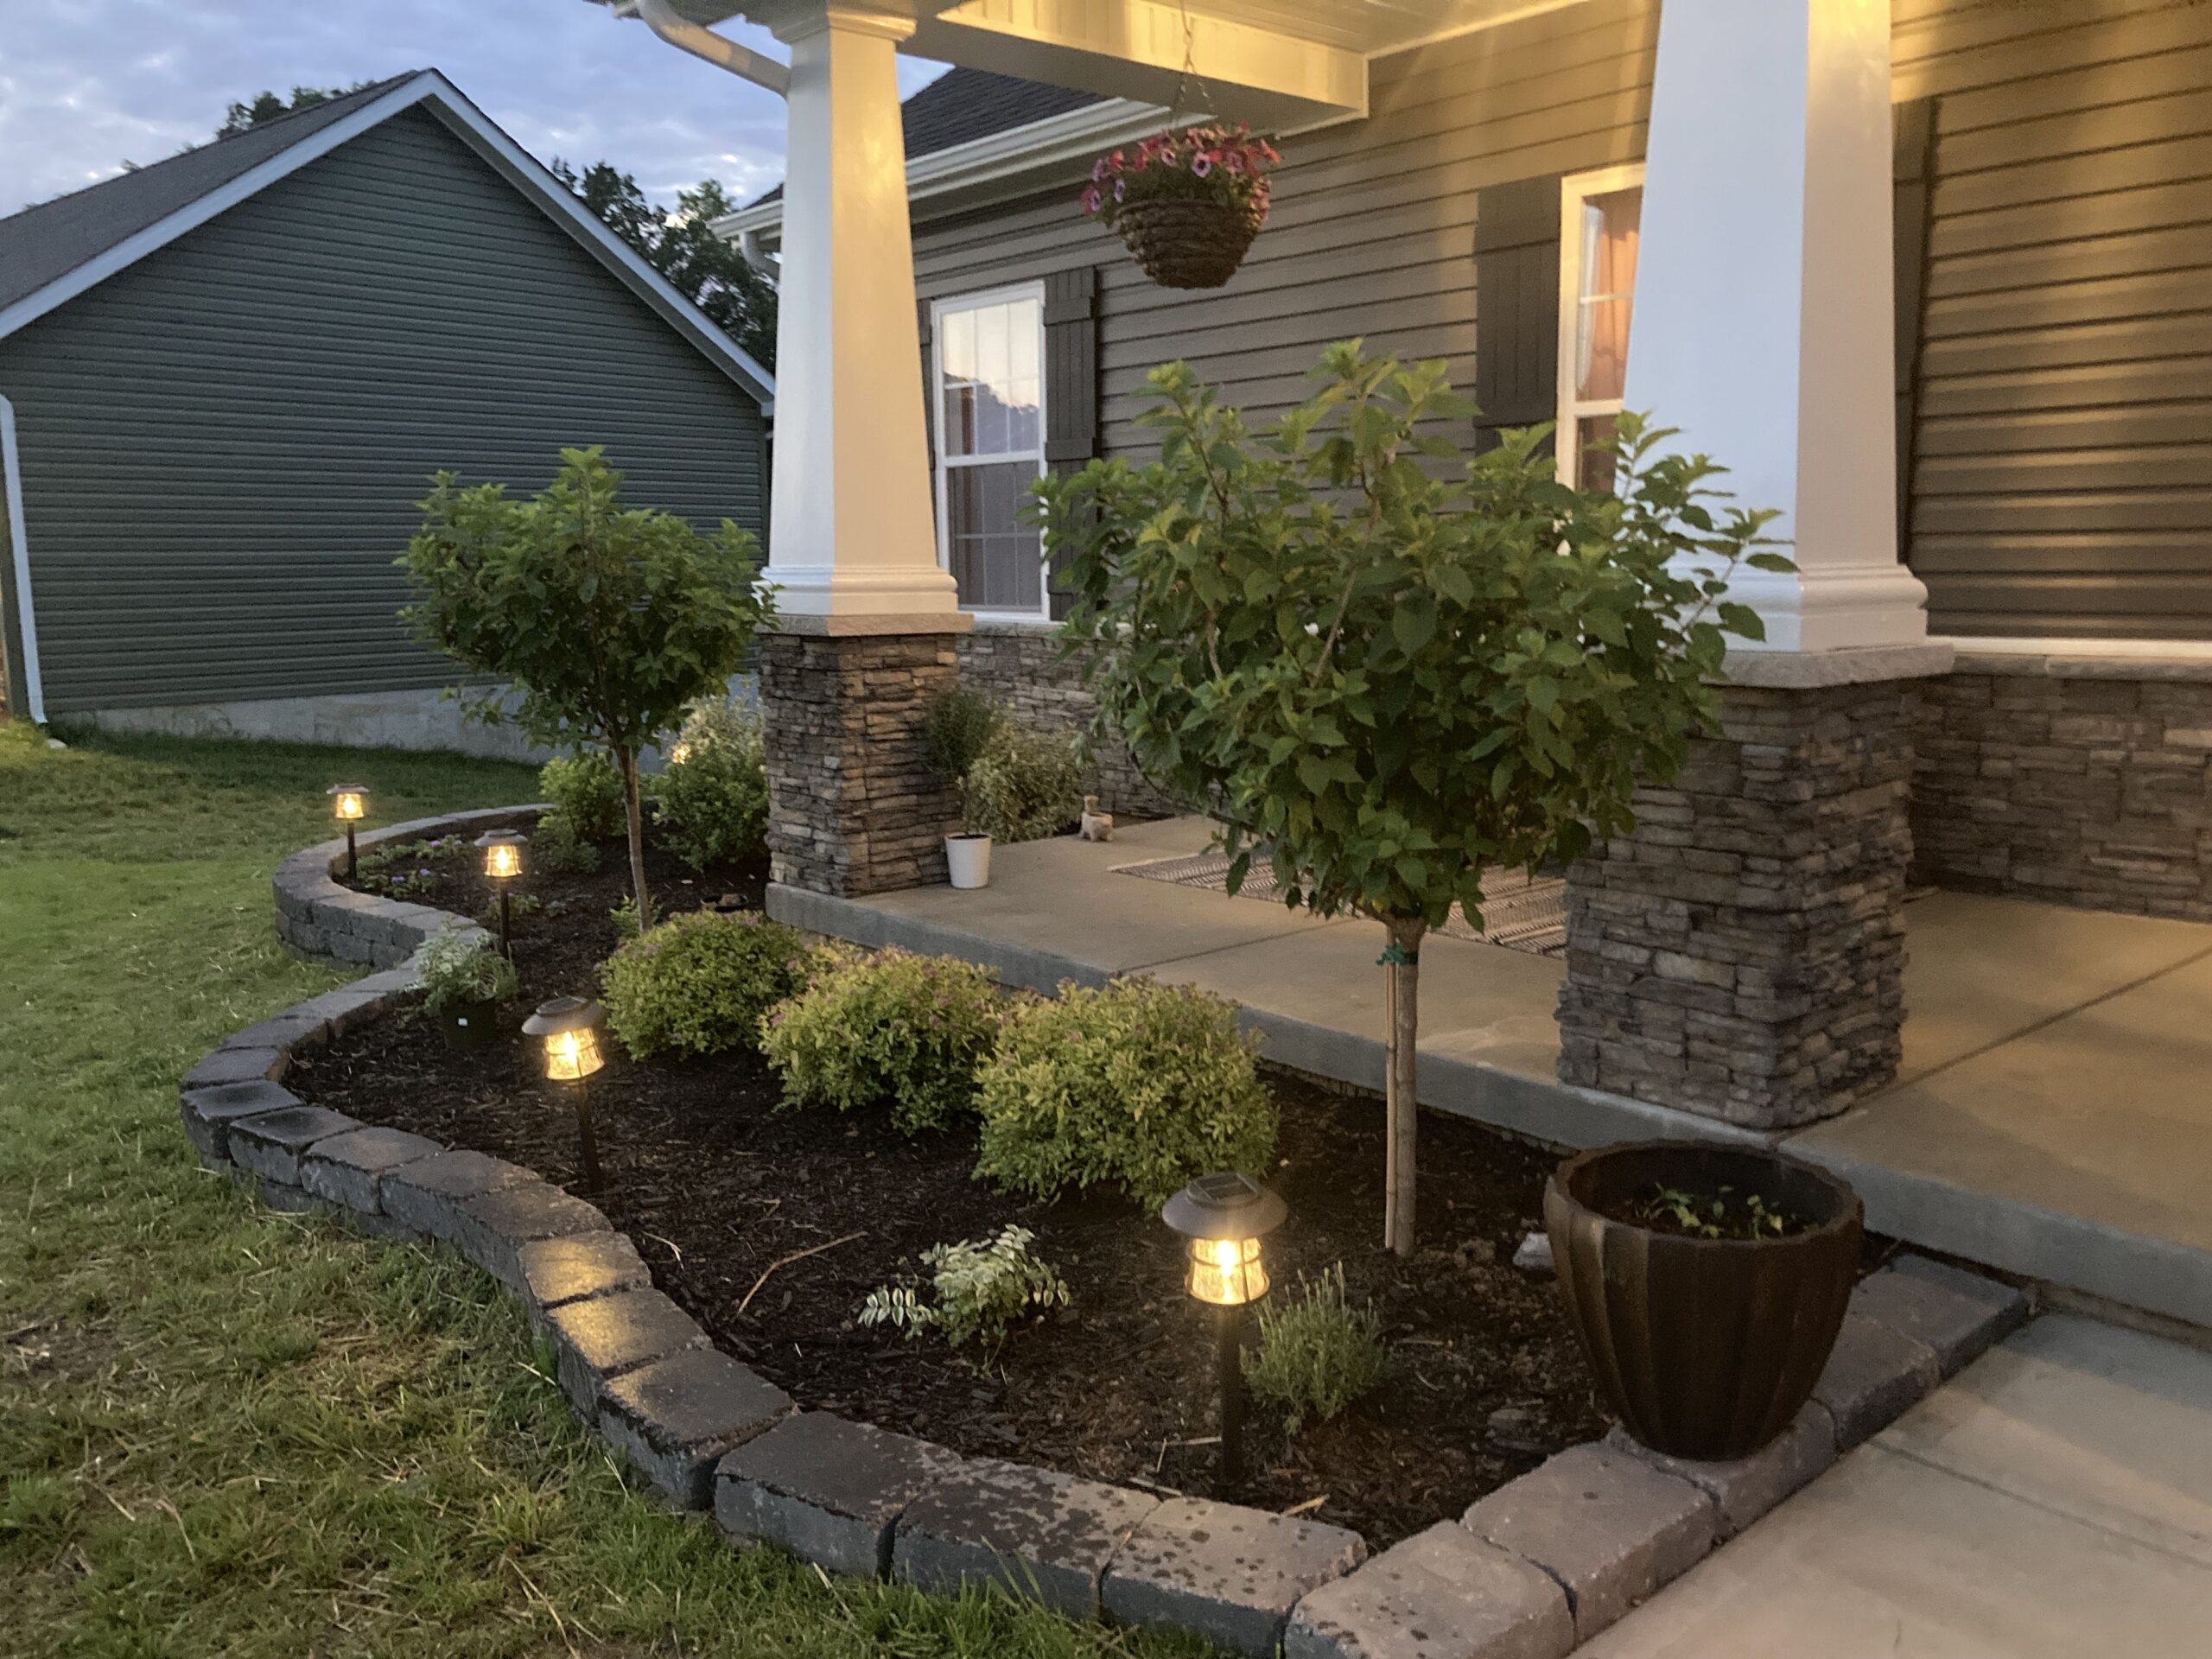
<point x="1530" y="1572"/>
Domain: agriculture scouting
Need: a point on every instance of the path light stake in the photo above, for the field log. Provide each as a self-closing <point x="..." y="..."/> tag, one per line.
<point x="502" y="864"/>
<point x="570" y="1026"/>
<point x="349" y="805"/>
<point x="1226" y="1215"/>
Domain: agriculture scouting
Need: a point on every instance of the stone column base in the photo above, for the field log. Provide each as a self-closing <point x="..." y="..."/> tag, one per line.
<point x="1741" y="955"/>
<point x="853" y="807"/>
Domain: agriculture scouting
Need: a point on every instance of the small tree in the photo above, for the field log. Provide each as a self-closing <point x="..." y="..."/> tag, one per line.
<point x="607" y="620"/>
<point x="1390" y="669"/>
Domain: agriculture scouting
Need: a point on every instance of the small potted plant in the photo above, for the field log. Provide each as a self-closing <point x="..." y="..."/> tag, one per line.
<point x="959" y="727"/>
<point x="1707" y="1283"/>
<point x="1188" y="203"/>
<point x="464" y="982"/>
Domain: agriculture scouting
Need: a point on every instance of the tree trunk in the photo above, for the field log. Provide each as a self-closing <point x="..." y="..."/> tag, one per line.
<point x="633" y="812"/>
<point x="1401" y="1004"/>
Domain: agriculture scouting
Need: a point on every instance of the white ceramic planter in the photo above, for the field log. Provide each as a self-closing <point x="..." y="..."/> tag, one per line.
<point x="970" y="859"/>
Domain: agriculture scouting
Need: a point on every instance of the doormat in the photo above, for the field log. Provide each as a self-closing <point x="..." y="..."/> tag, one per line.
<point x="1523" y="913"/>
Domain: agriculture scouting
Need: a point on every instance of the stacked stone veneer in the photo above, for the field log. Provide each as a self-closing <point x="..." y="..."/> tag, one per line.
<point x="1527" y="1573"/>
<point x="1741" y="955"/>
<point x="854" y="806"/>
<point x="2078" y="782"/>
<point x="1029" y="671"/>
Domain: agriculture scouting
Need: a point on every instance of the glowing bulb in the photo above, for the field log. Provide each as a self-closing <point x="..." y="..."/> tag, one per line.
<point x="503" y="861"/>
<point x="347" y="805"/>
<point x="571" y="1056"/>
<point x="1226" y="1271"/>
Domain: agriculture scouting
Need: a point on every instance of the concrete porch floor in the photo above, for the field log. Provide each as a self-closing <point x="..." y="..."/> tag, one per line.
<point x="2053" y="1117"/>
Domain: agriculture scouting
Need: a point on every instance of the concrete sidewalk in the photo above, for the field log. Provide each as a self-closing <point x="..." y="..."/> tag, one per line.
<point x="2053" y="1117"/>
<point x="2052" y="1501"/>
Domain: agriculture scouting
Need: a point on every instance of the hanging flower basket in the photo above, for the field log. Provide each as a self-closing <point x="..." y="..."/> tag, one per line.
<point x="1188" y="203"/>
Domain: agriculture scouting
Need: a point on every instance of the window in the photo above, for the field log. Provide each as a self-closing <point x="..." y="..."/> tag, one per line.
<point x="990" y="396"/>
<point x="1600" y="214"/>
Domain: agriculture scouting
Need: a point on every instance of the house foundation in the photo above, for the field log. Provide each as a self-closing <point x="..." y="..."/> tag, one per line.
<point x="854" y="805"/>
<point x="1741" y="954"/>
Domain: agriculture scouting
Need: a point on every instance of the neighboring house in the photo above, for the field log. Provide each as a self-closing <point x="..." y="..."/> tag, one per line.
<point x="226" y="379"/>
<point x="2053" y="189"/>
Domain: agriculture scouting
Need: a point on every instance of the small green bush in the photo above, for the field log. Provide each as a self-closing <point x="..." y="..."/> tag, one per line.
<point x="556" y="848"/>
<point x="1141" y="1085"/>
<point x="956" y="729"/>
<point x="458" y="968"/>
<point x="1025" y="785"/>
<point x="1317" y="1353"/>
<point x="587" y="790"/>
<point x="712" y="804"/>
<point x="890" y="1025"/>
<point x="978" y="1289"/>
<point x="699" y="982"/>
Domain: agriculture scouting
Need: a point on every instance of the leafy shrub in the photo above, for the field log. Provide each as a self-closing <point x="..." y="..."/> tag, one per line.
<point x="699" y="982"/>
<point x="458" y="968"/>
<point x="556" y="848"/>
<point x="1025" y="785"/>
<point x="587" y="790"/>
<point x="891" y="1025"/>
<point x="1140" y="1086"/>
<point x="959" y="725"/>
<point x="712" y="803"/>
<point x="979" y="1288"/>
<point x="1317" y="1353"/>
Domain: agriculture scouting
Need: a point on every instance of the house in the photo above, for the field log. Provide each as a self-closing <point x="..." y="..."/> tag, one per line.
<point x="226" y="380"/>
<point x="1929" y="278"/>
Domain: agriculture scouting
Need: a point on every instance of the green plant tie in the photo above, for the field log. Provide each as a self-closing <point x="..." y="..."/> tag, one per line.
<point x="1397" y="955"/>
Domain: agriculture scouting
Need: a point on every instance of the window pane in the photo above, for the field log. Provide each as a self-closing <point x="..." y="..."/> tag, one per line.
<point x="1610" y="227"/>
<point x="1594" y="470"/>
<point x="956" y="354"/>
<point x="1025" y="325"/>
<point x="996" y="558"/>
<point x="991" y="380"/>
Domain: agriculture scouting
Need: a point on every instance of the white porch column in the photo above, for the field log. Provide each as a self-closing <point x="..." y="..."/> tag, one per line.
<point x="851" y="530"/>
<point x="1764" y="303"/>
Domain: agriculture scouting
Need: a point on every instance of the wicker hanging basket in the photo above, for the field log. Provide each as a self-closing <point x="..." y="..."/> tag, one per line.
<point x="1191" y="244"/>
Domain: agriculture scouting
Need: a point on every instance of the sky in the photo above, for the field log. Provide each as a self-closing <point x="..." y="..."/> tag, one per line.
<point x="86" y="86"/>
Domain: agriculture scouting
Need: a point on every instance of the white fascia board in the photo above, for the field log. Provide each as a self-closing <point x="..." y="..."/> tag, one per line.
<point x="1009" y="159"/>
<point x="468" y="123"/>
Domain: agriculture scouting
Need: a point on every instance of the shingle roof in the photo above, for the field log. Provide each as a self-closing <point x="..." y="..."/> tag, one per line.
<point x="964" y="104"/>
<point x="52" y="239"/>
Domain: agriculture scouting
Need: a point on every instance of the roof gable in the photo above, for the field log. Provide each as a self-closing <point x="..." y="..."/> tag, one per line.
<point x="52" y="253"/>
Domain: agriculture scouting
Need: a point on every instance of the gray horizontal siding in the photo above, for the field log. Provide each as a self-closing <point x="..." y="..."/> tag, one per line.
<point x="223" y="445"/>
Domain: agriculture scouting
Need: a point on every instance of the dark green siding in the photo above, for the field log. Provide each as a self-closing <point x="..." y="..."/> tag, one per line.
<point x="222" y="445"/>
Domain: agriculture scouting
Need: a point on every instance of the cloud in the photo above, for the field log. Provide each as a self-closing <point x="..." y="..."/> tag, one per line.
<point x="88" y="87"/>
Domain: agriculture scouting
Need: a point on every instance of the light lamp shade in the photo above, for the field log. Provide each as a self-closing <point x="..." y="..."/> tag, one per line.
<point x="570" y="1026"/>
<point x="502" y="851"/>
<point x="1226" y="1271"/>
<point x="349" y="803"/>
<point x="1226" y="1215"/>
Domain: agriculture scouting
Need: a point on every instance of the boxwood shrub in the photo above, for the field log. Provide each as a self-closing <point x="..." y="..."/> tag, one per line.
<point x="712" y="804"/>
<point x="699" y="982"/>
<point x="1140" y="1086"/>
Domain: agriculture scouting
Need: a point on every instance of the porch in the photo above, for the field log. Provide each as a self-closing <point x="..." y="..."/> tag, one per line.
<point x="2050" y="1117"/>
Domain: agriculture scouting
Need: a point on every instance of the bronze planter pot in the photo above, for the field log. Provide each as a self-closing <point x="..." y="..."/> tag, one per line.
<point x="1705" y="1348"/>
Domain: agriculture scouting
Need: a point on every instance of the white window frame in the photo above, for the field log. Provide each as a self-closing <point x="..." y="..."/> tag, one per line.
<point x="1030" y="290"/>
<point x="1573" y="190"/>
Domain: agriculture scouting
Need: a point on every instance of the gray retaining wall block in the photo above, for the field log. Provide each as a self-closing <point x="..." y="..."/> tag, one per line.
<point x="1441" y="1594"/>
<point x="556" y="1270"/>
<point x="596" y="1341"/>
<point x="209" y="1112"/>
<point x="270" y="1143"/>
<point x="1959" y="1315"/>
<point x="295" y="1028"/>
<point x="827" y="1490"/>
<point x="427" y="1196"/>
<point x="237" y="1065"/>
<point x="1035" y="1533"/>
<point x="1608" y="1527"/>
<point x="491" y="1228"/>
<point x="1743" y="1488"/>
<point x="1231" y="1574"/>
<point x="676" y="1418"/>
<point x="1874" y="1375"/>
<point x="345" y="1169"/>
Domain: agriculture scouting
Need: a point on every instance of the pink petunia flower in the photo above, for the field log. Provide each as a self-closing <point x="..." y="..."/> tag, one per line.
<point x="1234" y="161"/>
<point x="1092" y="200"/>
<point x="1201" y="164"/>
<point x="1098" y="169"/>
<point x="1121" y="189"/>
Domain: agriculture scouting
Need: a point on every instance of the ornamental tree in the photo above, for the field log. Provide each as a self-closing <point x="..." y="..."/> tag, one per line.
<point x="607" y="622"/>
<point x="1387" y="668"/>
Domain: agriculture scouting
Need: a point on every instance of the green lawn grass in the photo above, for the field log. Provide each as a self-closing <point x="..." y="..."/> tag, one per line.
<point x="224" y="1431"/>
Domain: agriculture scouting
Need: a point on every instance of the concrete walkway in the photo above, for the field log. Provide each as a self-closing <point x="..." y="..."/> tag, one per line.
<point x="2053" y="1501"/>
<point x="2054" y="1116"/>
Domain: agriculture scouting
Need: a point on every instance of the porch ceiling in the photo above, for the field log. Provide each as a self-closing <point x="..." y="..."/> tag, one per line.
<point x="1278" y="63"/>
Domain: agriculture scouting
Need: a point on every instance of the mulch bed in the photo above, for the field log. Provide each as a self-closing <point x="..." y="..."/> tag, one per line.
<point x="721" y="1191"/>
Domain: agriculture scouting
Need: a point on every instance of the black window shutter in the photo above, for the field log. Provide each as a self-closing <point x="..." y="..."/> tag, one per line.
<point x="1913" y="176"/>
<point x="1070" y="381"/>
<point x="1516" y="306"/>
<point x="929" y="386"/>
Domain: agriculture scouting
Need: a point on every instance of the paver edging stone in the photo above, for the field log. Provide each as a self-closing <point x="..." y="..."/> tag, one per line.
<point x="705" y="1430"/>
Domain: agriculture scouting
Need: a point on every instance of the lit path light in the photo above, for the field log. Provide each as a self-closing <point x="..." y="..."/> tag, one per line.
<point x="502" y="851"/>
<point x="349" y="805"/>
<point x="1226" y="1215"/>
<point x="570" y="1026"/>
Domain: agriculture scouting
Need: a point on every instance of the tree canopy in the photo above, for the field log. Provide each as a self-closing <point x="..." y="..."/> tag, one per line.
<point x="268" y="105"/>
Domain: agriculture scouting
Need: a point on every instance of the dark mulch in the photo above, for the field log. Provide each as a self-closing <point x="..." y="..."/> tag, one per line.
<point x="718" y="1188"/>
